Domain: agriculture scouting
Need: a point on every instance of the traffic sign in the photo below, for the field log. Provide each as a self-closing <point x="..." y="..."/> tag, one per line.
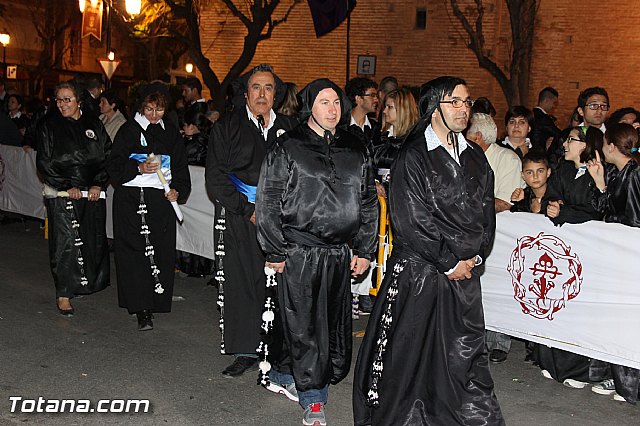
<point x="109" y="67"/>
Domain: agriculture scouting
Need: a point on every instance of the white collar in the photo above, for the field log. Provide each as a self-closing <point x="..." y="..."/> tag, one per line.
<point x="392" y="132"/>
<point x="18" y="114"/>
<point x="602" y="128"/>
<point x="144" y="122"/>
<point x="542" y="109"/>
<point x="508" y="142"/>
<point x="199" y="100"/>
<point x="366" y="123"/>
<point x="272" y="119"/>
<point x="433" y="142"/>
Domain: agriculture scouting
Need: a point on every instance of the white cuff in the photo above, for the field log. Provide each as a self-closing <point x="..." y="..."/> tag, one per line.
<point x="479" y="260"/>
<point x="450" y="271"/>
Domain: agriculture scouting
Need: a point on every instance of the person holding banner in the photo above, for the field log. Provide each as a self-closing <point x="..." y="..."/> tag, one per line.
<point x="148" y="151"/>
<point x="618" y="198"/>
<point x="72" y="150"/>
<point x="423" y="360"/>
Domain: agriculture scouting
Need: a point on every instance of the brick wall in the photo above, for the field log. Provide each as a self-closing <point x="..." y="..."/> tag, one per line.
<point x="574" y="47"/>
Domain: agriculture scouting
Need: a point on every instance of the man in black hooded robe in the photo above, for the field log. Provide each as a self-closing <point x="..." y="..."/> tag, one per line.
<point x="423" y="360"/>
<point x="237" y="145"/>
<point x="317" y="218"/>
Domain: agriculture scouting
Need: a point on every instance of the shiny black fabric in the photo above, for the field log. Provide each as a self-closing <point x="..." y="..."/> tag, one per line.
<point x="561" y="364"/>
<point x="133" y="268"/>
<point x="575" y="193"/>
<point x="524" y="205"/>
<point x="620" y="203"/>
<point x="313" y="199"/>
<point x="236" y="146"/>
<point x="435" y="366"/>
<point x="72" y="153"/>
<point x="543" y="128"/>
<point x="196" y="148"/>
<point x="318" y="194"/>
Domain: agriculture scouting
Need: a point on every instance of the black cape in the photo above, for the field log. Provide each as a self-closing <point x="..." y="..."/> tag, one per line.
<point x="576" y="195"/>
<point x="237" y="146"/>
<point x="133" y="268"/>
<point x="433" y="367"/>
<point x="313" y="199"/>
<point x="72" y="153"/>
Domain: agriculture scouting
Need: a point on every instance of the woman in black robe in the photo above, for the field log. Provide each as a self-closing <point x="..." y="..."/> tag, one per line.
<point x="144" y="223"/>
<point x="618" y="198"/>
<point x="423" y="360"/>
<point x="568" y="200"/>
<point x="72" y="149"/>
<point x="570" y="188"/>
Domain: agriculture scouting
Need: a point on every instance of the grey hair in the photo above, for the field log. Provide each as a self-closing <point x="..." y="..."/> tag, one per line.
<point x="484" y="124"/>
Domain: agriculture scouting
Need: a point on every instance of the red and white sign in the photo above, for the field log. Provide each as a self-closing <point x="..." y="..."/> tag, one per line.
<point x="572" y="287"/>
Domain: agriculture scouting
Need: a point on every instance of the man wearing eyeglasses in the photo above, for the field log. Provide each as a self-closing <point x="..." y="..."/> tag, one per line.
<point x="363" y="94"/>
<point x="424" y="349"/>
<point x="593" y="106"/>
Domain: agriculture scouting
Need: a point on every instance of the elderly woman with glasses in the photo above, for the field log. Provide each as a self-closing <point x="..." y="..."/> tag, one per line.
<point x="147" y="150"/>
<point x="72" y="150"/>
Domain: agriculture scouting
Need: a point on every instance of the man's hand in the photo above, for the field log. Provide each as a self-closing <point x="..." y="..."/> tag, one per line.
<point x="463" y="270"/>
<point x="517" y="195"/>
<point x="359" y="265"/>
<point x="94" y="193"/>
<point x="380" y="189"/>
<point x="74" y="193"/>
<point x="553" y="209"/>
<point x="252" y="219"/>
<point x="501" y="205"/>
<point x="278" y="267"/>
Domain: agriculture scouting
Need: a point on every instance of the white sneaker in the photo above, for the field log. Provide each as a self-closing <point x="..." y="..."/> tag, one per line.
<point x="288" y="390"/>
<point x="617" y="397"/>
<point x="606" y="387"/>
<point x="575" y="384"/>
<point x="546" y="374"/>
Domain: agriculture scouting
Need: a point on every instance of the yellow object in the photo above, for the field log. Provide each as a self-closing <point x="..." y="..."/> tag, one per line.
<point x="385" y="239"/>
<point x="46" y="228"/>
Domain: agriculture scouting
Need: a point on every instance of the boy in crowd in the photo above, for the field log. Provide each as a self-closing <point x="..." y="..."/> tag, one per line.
<point x="535" y="172"/>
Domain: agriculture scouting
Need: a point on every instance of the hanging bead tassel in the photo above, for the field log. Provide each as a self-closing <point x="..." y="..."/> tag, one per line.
<point x="75" y="226"/>
<point x="355" y="306"/>
<point x="381" y="343"/>
<point x="268" y="316"/>
<point x="220" y="227"/>
<point x="149" y="251"/>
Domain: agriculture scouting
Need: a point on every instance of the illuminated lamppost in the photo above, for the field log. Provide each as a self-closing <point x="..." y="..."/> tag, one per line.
<point x="189" y="68"/>
<point x="132" y="7"/>
<point x="5" y="38"/>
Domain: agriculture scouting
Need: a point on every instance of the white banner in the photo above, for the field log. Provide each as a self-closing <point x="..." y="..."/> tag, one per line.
<point x="20" y="188"/>
<point x="572" y="287"/>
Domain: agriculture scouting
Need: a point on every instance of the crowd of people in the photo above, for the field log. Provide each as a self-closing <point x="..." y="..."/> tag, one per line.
<point x="295" y="176"/>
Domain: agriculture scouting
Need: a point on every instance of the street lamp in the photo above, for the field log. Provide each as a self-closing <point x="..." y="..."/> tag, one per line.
<point x="189" y="67"/>
<point x="5" y="38"/>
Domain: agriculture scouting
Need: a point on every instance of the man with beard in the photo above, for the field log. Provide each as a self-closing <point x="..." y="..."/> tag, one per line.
<point x="316" y="202"/>
<point x="237" y="147"/>
<point x="423" y="359"/>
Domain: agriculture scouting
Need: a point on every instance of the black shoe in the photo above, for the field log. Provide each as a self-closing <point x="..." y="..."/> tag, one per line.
<point x="145" y="322"/>
<point x="241" y="365"/>
<point x="65" y="312"/>
<point x="497" y="356"/>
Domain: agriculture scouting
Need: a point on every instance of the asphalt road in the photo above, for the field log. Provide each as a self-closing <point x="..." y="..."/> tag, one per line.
<point x="99" y="355"/>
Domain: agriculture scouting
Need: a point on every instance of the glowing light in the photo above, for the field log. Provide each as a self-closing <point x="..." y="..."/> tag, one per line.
<point x="133" y="6"/>
<point x="189" y="68"/>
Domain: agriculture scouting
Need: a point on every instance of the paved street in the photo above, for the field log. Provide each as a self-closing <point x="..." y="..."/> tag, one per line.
<point x="99" y="354"/>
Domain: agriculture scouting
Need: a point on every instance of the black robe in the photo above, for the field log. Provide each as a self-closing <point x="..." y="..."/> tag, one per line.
<point x="72" y="153"/>
<point x="237" y="147"/>
<point x="575" y="193"/>
<point x="524" y="205"/>
<point x="620" y="203"/>
<point x="136" y="284"/>
<point x="384" y="155"/>
<point x="423" y="357"/>
<point x="313" y="199"/>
